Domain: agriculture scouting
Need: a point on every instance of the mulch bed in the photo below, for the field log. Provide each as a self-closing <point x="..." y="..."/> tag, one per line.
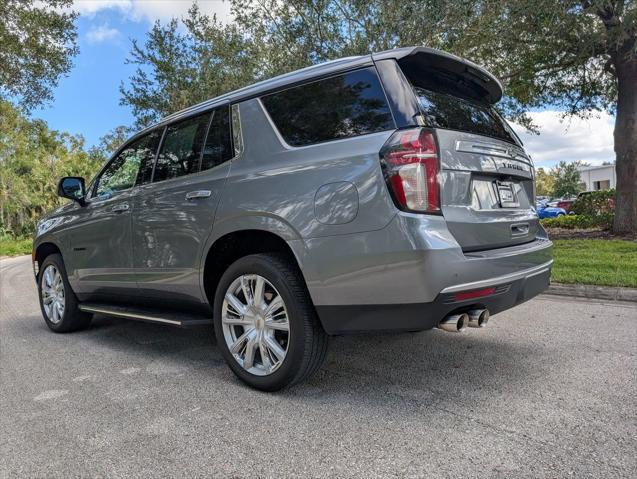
<point x="563" y="233"/>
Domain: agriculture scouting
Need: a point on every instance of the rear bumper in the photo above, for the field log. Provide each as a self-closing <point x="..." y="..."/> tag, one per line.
<point x="510" y="290"/>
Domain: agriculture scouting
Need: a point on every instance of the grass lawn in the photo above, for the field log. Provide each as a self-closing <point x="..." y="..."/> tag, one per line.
<point x="595" y="261"/>
<point x="14" y="247"/>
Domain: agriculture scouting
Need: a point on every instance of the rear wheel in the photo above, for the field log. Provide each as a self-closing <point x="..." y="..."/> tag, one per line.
<point x="265" y="323"/>
<point x="58" y="303"/>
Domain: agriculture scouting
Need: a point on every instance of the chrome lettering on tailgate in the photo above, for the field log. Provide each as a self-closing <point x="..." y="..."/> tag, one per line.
<point x="495" y="157"/>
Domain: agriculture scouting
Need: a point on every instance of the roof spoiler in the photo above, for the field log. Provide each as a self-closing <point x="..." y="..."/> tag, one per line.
<point x="417" y="61"/>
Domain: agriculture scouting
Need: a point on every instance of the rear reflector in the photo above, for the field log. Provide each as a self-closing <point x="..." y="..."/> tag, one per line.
<point x="478" y="293"/>
<point x="411" y="167"/>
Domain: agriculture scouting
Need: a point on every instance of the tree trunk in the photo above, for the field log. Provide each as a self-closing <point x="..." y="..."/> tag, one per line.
<point x="626" y="147"/>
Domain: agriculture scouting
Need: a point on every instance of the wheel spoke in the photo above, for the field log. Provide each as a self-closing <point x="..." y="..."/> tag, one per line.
<point x="236" y="321"/>
<point x="274" y="347"/>
<point x="275" y="304"/>
<point x="48" y="280"/>
<point x="251" y="347"/>
<point x="57" y="279"/>
<point x="236" y="304"/>
<point x="265" y="356"/>
<point x="47" y="298"/>
<point x="259" y="288"/>
<point x="278" y="324"/>
<point x="236" y="347"/>
<point x="247" y="290"/>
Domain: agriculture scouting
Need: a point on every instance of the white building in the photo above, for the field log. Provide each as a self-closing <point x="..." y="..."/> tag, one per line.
<point x="598" y="177"/>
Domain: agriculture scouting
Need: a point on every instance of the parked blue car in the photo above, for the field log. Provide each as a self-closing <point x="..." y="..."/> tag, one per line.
<point x="545" y="211"/>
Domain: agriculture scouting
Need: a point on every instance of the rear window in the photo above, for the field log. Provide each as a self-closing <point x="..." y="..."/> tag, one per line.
<point x="441" y="110"/>
<point x="342" y="106"/>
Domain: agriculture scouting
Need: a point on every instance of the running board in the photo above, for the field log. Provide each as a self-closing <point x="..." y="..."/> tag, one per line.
<point x="182" y="320"/>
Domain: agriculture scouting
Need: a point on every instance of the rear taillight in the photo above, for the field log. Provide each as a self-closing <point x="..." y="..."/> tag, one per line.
<point x="411" y="168"/>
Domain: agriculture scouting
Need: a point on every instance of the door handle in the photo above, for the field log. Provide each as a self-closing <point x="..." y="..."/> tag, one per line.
<point x="197" y="194"/>
<point x="120" y="208"/>
<point x="519" y="229"/>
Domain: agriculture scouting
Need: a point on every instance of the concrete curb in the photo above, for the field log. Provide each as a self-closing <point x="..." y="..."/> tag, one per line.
<point x="593" y="292"/>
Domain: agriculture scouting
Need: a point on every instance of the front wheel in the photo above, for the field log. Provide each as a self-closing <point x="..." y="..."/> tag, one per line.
<point x="265" y="323"/>
<point x="58" y="303"/>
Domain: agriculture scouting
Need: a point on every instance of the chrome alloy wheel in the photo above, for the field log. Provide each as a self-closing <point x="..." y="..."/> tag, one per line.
<point x="255" y="324"/>
<point x="53" y="294"/>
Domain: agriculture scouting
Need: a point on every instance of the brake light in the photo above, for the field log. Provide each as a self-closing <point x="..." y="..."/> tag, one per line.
<point x="411" y="168"/>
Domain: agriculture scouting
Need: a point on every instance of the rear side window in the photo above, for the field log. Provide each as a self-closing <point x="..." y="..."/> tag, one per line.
<point x="218" y="146"/>
<point x="181" y="149"/>
<point x="338" y="107"/>
<point x="441" y="110"/>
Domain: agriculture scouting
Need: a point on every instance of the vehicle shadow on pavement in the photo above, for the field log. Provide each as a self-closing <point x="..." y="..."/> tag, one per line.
<point x="435" y="364"/>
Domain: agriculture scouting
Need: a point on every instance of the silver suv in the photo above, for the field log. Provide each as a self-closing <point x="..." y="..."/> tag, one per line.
<point x="372" y="193"/>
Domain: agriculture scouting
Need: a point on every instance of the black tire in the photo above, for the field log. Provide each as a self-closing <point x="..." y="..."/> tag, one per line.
<point x="72" y="319"/>
<point x="307" y="341"/>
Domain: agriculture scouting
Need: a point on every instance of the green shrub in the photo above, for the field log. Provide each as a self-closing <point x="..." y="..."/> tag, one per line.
<point x="595" y="203"/>
<point x="572" y="222"/>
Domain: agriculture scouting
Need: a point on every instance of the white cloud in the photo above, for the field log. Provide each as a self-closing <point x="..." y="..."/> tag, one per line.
<point x="102" y="33"/>
<point x="152" y="10"/>
<point x="589" y="140"/>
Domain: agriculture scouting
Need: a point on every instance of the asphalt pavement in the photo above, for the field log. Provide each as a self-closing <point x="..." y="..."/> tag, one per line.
<point x="548" y="389"/>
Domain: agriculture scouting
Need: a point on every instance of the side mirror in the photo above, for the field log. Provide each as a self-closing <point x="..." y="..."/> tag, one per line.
<point x="72" y="187"/>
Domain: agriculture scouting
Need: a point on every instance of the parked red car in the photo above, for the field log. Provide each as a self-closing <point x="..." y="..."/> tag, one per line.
<point x="566" y="204"/>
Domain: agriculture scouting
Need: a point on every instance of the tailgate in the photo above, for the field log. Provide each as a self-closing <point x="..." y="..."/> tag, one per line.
<point x="486" y="179"/>
<point x="487" y="191"/>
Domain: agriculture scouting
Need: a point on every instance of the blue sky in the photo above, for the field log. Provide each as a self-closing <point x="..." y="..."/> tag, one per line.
<point x="87" y="100"/>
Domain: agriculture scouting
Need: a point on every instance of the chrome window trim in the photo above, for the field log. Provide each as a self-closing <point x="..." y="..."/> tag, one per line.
<point x="237" y="132"/>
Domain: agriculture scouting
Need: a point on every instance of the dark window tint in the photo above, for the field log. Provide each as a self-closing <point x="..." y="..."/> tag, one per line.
<point x="218" y="146"/>
<point x="339" y="107"/>
<point x="146" y="148"/>
<point x="133" y="165"/>
<point x="441" y="110"/>
<point x="181" y="149"/>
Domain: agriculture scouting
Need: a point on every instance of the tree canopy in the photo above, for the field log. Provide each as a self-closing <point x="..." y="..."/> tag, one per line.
<point x="566" y="179"/>
<point x="32" y="158"/>
<point x="178" y="67"/>
<point x="37" y="44"/>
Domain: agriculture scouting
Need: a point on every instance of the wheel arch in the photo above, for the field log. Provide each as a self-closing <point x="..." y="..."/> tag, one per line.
<point x="231" y="246"/>
<point x="41" y="251"/>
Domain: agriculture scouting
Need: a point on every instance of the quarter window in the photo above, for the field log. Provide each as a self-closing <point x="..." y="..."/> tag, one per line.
<point x="131" y="166"/>
<point x="181" y="149"/>
<point x="338" y="107"/>
<point x="218" y="146"/>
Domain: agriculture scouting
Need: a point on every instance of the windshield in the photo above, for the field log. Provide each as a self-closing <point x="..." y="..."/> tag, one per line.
<point x="440" y="110"/>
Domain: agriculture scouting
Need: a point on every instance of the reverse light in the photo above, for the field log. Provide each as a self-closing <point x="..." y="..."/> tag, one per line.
<point x="411" y="167"/>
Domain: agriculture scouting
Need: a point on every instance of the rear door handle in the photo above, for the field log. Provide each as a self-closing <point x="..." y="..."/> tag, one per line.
<point x="120" y="208"/>
<point x="197" y="194"/>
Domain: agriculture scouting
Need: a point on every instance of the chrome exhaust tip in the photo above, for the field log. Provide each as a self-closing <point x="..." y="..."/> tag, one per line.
<point x="478" y="318"/>
<point x="454" y="323"/>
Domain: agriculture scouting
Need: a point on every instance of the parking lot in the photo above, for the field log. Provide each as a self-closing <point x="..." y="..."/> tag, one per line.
<point x="547" y="390"/>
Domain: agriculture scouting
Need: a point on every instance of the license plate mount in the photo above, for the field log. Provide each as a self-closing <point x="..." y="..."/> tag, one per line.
<point x="506" y="194"/>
